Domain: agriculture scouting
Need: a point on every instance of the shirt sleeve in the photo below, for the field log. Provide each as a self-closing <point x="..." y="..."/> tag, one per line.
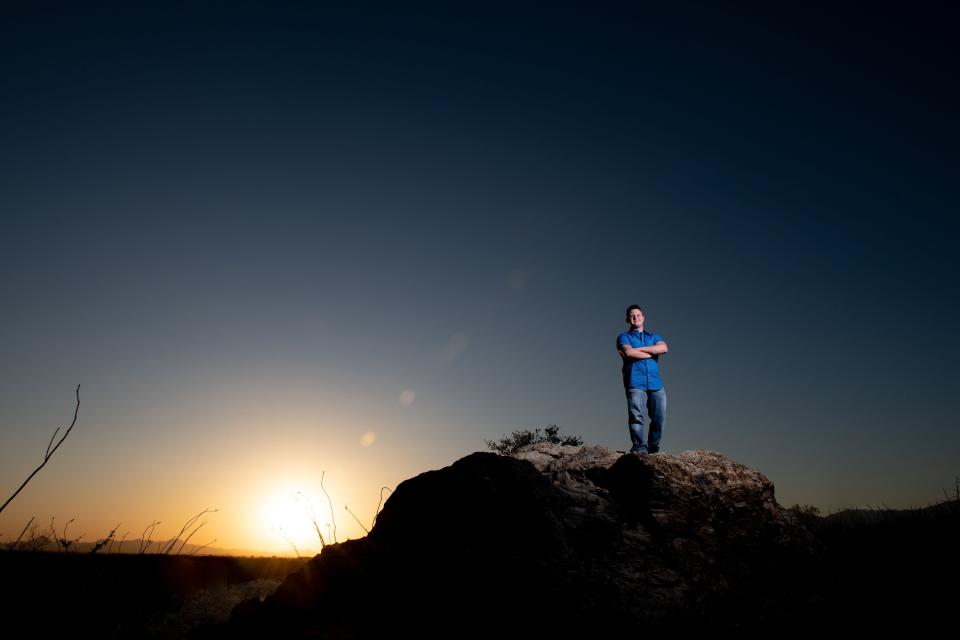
<point x="657" y="338"/>
<point x="622" y="339"/>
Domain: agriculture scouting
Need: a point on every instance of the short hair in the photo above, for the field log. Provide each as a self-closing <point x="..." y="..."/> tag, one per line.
<point x="631" y="308"/>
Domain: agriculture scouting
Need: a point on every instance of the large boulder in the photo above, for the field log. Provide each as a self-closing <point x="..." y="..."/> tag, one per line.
<point x="562" y="541"/>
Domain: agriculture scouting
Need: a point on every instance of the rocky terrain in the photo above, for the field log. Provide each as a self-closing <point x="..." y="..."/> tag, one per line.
<point x="559" y="541"/>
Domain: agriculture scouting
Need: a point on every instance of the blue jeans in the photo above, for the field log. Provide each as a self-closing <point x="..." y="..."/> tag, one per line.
<point x="640" y="403"/>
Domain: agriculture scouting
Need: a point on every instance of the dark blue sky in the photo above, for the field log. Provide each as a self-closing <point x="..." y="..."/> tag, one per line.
<point x="212" y="217"/>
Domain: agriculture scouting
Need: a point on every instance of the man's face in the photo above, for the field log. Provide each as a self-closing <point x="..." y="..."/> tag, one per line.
<point x="635" y="318"/>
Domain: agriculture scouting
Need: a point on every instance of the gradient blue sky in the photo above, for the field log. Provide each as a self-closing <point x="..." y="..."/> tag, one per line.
<point x="270" y="239"/>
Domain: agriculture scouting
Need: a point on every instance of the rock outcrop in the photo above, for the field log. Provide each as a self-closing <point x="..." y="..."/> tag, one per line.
<point x="558" y="541"/>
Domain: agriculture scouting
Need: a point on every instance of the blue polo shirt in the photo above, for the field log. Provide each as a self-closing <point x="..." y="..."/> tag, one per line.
<point x="641" y="374"/>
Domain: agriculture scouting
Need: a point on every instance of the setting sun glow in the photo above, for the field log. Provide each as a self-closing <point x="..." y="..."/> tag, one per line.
<point x="289" y="517"/>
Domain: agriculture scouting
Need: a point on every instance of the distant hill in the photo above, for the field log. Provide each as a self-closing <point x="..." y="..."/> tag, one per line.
<point x="134" y="546"/>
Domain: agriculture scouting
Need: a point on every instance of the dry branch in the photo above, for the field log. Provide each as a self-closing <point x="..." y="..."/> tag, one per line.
<point x="20" y="537"/>
<point x="290" y="542"/>
<point x="186" y="526"/>
<point x="313" y="519"/>
<point x="48" y="454"/>
<point x="374" y="523"/>
<point x="332" y="517"/>
<point x="194" y="552"/>
<point x="106" y="541"/>
<point x="146" y="546"/>
<point x="357" y="519"/>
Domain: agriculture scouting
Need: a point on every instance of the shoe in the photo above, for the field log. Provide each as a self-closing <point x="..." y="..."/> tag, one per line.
<point x="641" y="451"/>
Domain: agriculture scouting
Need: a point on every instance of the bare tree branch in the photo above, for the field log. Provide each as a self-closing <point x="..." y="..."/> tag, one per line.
<point x="146" y="547"/>
<point x="194" y="552"/>
<point x="186" y="526"/>
<point x="67" y="542"/>
<point x="187" y="539"/>
<point x="49" y="444"/>
<point x="332" y="517"/>
<point x="108" y="540"/>
<point x="54" y="532"/>
<point x="290" y="542"/>
<point x="120" y="544"/>
<point x="64" y="543"/>
<point x="356" y="518"/>
<point x="49" y="452"/>
<point x="20" y="537"/>
<point x="374" y="523"/>
<point x="313" y="518"/>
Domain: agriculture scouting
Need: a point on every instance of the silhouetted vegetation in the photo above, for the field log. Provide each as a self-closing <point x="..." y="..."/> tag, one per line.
<point x="333" y="519"/>
<point x="192" y="522"/>
<point x="51" y="448"/>
<point x="373" y="524"/>
<point x="106" y="541"/>
<point x="510" y="443"/>
<point x="808" y="514"/>
<point x="146" y="541"/>
<point x="35" y="539"/>
<point x="63" y="542"/>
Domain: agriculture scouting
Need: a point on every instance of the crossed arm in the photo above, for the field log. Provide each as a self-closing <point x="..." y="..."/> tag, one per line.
<point x="642" y="353"/>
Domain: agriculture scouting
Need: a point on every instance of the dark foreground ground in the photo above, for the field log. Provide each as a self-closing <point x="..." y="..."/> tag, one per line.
<point x="888" y="570"/>
<point x="892" y="570"/>
<point x="128" y="595"/>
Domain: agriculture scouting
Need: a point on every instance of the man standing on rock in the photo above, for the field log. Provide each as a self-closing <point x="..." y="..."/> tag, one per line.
<point x="640" y="351"/>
